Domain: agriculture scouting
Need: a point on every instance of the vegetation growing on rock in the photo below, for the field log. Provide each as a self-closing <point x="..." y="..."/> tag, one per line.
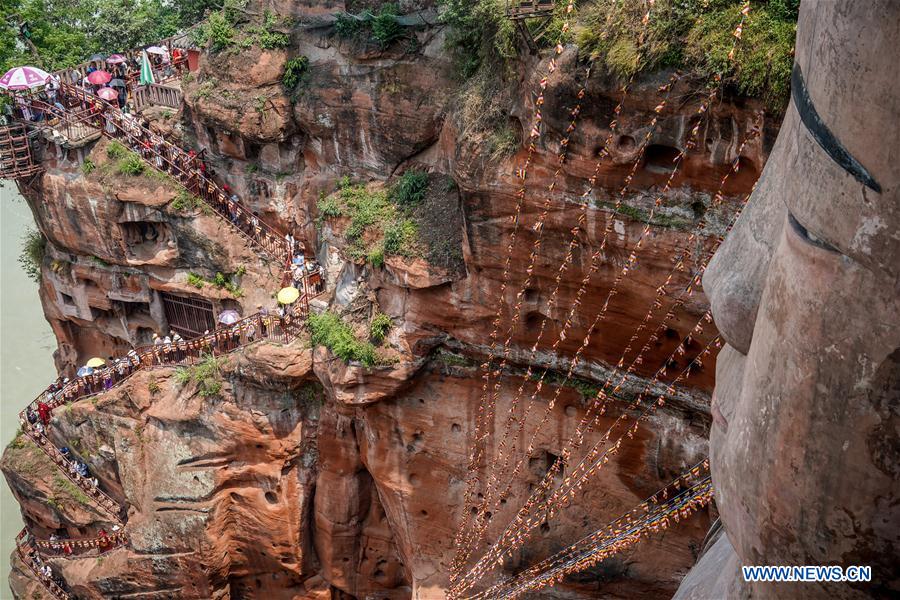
<point x="378" y="328"/>
<point x="381" y="27"/>
<point x="206" y="375"/>
<point x="34" y="245"/>
<point x="378" y="226"/>
<point x="329" y="330"/>
<point x="696" y="35"/>
<point x="233" y="27"/>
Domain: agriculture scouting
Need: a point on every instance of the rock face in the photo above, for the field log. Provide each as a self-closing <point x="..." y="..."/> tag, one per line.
<point x="308" y="477"/>
<point x="805" y="412"/>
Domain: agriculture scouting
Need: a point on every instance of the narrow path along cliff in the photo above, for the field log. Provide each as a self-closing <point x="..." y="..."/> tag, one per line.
<point x="344" y="312"/>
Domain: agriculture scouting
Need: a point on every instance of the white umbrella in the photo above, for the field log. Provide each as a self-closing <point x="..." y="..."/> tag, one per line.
<point x="157" y="50"/>
<point x="23" y="78"/>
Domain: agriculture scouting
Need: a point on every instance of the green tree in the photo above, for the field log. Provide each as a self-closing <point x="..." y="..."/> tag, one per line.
<point x="67" y="32"/>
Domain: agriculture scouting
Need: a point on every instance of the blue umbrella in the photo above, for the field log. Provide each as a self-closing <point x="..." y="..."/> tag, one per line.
<point x="85" y="371"/>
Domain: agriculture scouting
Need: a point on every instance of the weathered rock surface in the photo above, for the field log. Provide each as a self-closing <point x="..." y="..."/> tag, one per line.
<point x="804" y="445"/>
<point x="262" y="492"/>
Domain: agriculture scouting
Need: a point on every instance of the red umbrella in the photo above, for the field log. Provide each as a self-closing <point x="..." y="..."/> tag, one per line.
<point x="99" y="77"/>
<point x="107" y="93"/>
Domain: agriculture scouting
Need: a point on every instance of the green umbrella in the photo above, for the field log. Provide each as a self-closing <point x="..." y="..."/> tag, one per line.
<point x="146" y="71"/>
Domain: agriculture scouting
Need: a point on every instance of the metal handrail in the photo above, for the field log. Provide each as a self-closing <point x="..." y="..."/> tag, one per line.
<point x="170" y="159"/>
<point x="224" y="340"/>
<point x="72" y="547"/>
<point x="51" y="586"/>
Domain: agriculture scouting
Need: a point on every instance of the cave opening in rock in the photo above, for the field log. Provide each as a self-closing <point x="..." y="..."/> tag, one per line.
<point x="144" y="239"/>
<point x="659" y="158"/>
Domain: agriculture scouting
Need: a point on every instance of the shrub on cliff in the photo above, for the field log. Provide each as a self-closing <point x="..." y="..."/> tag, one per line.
<point x="479" y="34"/>
<point x="34" y="245"/>
<point x="386" y="29"/>
<point x="378" y="328"/>
<point x="294" y="70"/>
<point x="130" y="165"/>
<point x="377" y="225"/>
<point x="696" y="35"/>
<point x="383" y="27"/>
<point x="410" y="190"/>
<point x="217" y="31"/>
<point x="207" y="375"/>
<point x="329" y="330"/>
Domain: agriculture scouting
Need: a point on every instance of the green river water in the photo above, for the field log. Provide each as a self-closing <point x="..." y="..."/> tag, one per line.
<point x="26" y="348"/>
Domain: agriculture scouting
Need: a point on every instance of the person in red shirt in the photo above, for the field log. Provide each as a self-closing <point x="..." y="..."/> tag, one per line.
<point x="44" y="412"/>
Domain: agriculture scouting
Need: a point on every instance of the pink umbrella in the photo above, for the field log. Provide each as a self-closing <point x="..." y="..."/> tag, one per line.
<point x="115" y="59"/>
<point x="23" y="78"/>
<point x="107" y="93"/>
<point x="99" y="77"/>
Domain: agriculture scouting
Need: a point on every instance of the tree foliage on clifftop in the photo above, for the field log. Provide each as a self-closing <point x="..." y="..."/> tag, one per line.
<point x="67" y="32"/>
<point x="696" y="35"/>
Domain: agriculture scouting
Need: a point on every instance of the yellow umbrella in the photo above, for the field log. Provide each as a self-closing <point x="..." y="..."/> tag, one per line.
<point x="96" y="362"/>
<point x="288" y="295"/>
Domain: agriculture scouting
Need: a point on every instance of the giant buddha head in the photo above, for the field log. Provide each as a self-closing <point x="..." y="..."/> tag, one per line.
<point x="805" y="442"/>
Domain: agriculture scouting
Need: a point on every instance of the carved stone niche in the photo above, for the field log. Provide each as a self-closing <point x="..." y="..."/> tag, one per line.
<point x="146" y="237"/>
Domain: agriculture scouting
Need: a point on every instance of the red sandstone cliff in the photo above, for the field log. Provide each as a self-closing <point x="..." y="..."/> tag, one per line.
<point x="307" y="477"/>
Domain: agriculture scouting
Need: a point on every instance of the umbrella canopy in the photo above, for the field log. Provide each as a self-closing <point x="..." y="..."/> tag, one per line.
<point x="99" y="77"/>
<point x="117" y="83"/>
<point x="85" y="370"/>
<point x="96" y="362"/>
<point x="288" y="295"/>
<point x="146" y="70"/>
<point x="108" y="93"/>
<point x="23" y="78"/>
<point x="229" y="317"/>
<point x="97" y="58"/>
<point x="115" y="59"/>
<point x="157" y="50"/>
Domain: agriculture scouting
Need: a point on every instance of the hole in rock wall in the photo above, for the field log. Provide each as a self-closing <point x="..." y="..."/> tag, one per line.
<point x="543" y="462"/>
<point x="698" y="208"/>
<point x="229" y="304"/>
<point x="533" y="321"/>
<point x="571" y="411"/>
<point x="545" y="527"/>
<point x="144" y="239"/>
<point x="626" y="143"/>
<point x="99" y="314"/>
<point x="672" y="334"/>
<point x="271" y="498"/>
<point x="132" y="310"/>
<point x="251" y="150"/>
<point x="659" y="158"/>
<point x="144" y="336"/>
<point x="67" y="299"/>
<point x="455" y="428"/>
